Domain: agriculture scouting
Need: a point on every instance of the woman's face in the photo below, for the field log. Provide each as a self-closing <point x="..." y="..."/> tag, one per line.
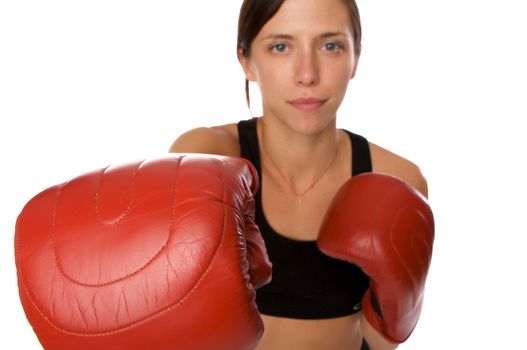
<point x="302" y="60"/>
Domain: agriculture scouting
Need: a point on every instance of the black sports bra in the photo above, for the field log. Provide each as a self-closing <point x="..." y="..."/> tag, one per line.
<point x="306" y="284"/>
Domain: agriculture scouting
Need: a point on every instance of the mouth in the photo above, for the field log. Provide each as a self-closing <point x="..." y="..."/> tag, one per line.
<point x="307" y="104"/>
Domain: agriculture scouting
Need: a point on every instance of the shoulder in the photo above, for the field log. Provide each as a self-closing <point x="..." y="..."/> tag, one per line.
<point x="387" y="162"/>
<point x="220" y="140"/>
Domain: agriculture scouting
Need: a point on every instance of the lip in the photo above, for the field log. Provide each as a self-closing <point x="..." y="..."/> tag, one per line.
<point x="307" y="104"/>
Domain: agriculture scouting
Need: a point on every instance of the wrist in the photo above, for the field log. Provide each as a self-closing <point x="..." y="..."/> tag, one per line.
<point x="373" y="337"/>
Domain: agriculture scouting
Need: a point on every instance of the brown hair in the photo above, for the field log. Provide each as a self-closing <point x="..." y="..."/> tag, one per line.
<point x="254" y="14"/>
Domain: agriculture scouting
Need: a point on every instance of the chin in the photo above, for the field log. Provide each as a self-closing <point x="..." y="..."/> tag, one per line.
<point x="313" y="123"/>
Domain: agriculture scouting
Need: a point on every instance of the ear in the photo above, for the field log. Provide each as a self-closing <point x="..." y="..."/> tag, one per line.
<point x="246" y="65"/>
<point x="355" y="62"/>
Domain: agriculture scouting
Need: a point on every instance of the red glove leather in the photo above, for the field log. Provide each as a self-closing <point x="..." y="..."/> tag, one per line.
<point x="160" y="254"/>
<point x="385" y="227"/>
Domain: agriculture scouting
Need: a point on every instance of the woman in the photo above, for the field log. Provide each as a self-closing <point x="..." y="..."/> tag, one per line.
<point x="302" y="54"/>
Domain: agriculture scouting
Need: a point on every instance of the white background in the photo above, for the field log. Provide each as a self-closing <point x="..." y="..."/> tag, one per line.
<point x="443" y="83"/>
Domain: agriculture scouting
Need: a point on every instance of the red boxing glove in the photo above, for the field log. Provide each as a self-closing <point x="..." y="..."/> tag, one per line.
<point x="161" y="254"/>
<point x="385" y="227"/>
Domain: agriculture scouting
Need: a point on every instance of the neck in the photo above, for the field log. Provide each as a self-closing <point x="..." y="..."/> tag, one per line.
<point x="299" y="158"/>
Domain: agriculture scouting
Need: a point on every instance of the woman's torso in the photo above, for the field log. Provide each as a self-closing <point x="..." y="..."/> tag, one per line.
<point x="288" y="225"/>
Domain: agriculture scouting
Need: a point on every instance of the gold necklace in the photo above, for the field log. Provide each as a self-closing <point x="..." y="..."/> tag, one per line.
<point x="299" y="196"/>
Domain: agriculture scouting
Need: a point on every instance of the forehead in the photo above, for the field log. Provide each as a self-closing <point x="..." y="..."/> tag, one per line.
<point x="297" y="17"/>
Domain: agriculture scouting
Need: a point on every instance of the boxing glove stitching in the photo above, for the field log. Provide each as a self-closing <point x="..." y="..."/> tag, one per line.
<point x="138" y="270"/>
<point x="129" y="201"/>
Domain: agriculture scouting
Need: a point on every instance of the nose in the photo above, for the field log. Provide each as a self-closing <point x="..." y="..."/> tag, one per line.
<point x="307" y="71"/>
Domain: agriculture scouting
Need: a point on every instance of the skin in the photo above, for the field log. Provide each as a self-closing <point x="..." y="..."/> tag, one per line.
<point x="304" y="51"/>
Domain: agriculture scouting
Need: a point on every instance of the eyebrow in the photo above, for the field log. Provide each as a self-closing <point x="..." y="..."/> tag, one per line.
<point x="278" y="36"/>
<point x="290" y="37"/>
<point x="332" y="34"/>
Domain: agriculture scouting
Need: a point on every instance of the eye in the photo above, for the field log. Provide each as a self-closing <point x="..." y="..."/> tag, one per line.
<point x="279" y="47"/>
<point x="333" y="47"/>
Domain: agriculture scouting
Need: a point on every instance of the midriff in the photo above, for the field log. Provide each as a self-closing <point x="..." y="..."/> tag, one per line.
<point x="342" y="333"/>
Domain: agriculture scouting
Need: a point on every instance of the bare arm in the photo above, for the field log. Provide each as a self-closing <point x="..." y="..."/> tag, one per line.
<point x="220" y="140"/>
<point x="386" y="162"/>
